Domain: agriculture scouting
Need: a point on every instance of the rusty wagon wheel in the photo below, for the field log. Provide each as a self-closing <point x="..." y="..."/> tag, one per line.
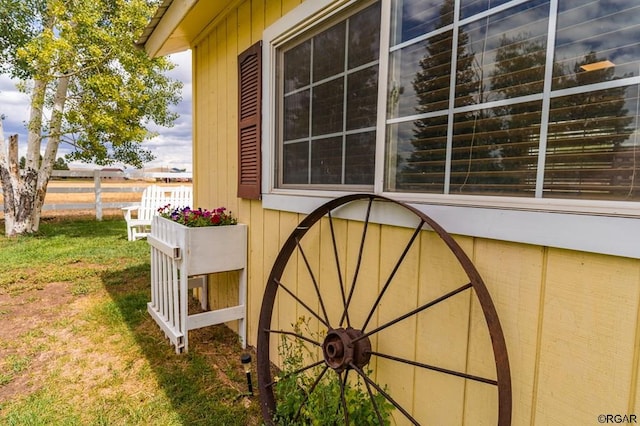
<point x="322" y="309"/>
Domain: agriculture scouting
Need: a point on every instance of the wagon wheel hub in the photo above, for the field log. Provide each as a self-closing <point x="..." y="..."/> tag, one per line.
<point x="342" y="347"/>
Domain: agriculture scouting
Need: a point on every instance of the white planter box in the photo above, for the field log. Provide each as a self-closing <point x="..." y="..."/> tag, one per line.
<point x="178" y="253"/>
<point x="204" y="250"/>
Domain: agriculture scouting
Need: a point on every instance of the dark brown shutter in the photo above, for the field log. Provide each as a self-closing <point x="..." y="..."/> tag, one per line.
<point x="249" y="121"/>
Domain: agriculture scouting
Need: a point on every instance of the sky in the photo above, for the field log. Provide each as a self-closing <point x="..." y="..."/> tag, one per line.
<point x="172" y="147"/>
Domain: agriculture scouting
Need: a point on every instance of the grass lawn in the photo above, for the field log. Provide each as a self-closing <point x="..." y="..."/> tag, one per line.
<point x="77" y="346"/>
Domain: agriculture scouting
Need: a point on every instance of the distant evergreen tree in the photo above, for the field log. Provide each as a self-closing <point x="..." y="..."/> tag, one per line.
<point x="586" y="134"/>
<point x="424" y="168"/>
<point x="60" y="164"/>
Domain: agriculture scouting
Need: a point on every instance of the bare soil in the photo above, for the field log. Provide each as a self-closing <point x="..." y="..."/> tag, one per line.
<point x="25" y="313"/>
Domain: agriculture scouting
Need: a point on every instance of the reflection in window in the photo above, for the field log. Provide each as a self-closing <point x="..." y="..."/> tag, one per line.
<point x="504" y="55"/>
<point x="417" y="153"/>
<point x="414" y="18"/>
<point x="489" y="142"/>
<point x="359" y="157"/>
<point x="329" y="104"/>
<point x="420" y="82"/>
<point x="593" y="149"/>
<point x="297" y="66"/>
<point x="472" y="7"/>
<point x="328" y="107"/>
<point x="596" y="41"/>
<point x="495" y="150"/>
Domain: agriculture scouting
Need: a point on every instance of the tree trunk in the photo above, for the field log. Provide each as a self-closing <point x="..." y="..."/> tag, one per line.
<point x="18" y="192"/>
<point x="24" y="190"/>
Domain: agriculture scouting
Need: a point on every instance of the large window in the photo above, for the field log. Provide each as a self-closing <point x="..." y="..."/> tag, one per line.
<point x="523" y="98"/>
<point x="533" y="98"/>
<point x="516" y="120"/>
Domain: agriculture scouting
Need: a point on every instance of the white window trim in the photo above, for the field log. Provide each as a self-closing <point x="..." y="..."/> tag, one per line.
<point x="606" y="227"/>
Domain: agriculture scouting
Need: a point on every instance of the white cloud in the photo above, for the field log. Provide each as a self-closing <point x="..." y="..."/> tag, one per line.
<point x="172" y="147"/>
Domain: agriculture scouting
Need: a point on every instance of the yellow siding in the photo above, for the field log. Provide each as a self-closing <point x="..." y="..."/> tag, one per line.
<point x="571" y="320"/>
<point x="588" y="337"/>
<point x="513" y="275"/>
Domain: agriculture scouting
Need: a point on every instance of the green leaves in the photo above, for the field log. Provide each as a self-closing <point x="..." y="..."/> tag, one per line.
<point x="115" y="90"/>
<point x="298" y="404"/>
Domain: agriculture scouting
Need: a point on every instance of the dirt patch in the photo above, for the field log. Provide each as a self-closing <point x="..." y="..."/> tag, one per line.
<point x="25" y="316"/>
<point x="29" y="310"/>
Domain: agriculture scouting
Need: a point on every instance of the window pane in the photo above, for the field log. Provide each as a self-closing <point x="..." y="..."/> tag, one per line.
<point x="596" y="41"/>
<point x="413" y="18"/>
<point x="593" y="147"/>
<point x="296" y="116"/>
<point x="296" y="163"/>
<point x="328" y="103"/>
<point x="503" y="56"/>
<point x="297" y="65"/>
<point x="495" y="150"/>
<point x="326" y="161"/>
<point x="364" y="36"/>
<point x="322" y="99"/>
<point x="417" y="153"/>
<point x="420" y="76"/>
<point x="473" y="7"/>
<point x="362" y="98"/>
<point x="360" y="158"/>
<point x="328" y="52"/>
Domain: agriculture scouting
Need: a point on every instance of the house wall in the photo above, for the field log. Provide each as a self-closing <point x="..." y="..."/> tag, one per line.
<point x="571" y="319"/>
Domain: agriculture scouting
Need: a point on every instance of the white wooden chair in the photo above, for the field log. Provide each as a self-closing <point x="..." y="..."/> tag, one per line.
<point x="139" y="217"/>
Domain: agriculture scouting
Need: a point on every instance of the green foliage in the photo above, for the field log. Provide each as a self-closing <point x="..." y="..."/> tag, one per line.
<point x="114" y="89"/>
<point x="59" y="164"/>
<point x="322" y="406"/>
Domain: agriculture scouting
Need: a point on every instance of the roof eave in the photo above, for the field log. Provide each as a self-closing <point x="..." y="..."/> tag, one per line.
<point x="162" y="35"/>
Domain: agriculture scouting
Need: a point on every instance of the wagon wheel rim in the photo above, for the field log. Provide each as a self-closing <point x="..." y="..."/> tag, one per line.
<point x="346" y="348"/>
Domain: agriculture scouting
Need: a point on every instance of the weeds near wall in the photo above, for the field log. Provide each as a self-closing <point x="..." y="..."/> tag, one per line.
<point x="322" y="405"/>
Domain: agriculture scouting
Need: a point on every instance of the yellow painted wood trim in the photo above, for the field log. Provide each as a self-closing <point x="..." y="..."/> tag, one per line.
<point x="222" y="16"/>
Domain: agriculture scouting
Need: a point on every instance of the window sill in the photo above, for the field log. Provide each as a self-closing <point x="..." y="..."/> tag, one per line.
<point x="605" y="228"/>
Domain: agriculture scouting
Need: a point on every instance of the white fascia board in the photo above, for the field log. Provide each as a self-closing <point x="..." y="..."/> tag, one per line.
<point x="167" y="26"/>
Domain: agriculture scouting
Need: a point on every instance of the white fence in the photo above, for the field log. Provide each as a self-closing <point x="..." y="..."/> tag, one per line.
<point x="98" y="189"/>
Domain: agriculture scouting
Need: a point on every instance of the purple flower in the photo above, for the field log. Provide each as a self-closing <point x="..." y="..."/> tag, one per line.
<point x="198" y="217"/>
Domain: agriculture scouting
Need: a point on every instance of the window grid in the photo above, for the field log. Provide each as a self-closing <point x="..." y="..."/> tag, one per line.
<point x="344" y="133"/>
<point x="384" y="176"/>
<point x="546" y="95"/>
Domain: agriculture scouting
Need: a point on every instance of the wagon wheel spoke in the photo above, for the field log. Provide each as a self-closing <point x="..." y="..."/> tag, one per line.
<point x="414" y="312"/>
<point x="392" y="274"/>
<point x="388" y="397"/>
<point x="358" y="263"/>
<point x="297" y="299"/>
<point x="374" y="404"/>
<point x="438" y="369"/>
<point x="291" y="333"/>
<point x="343" y="400"/>
<point x="315" y="282"/>
<point x="308" y="393"/>
<point x="338" y="268"/>
<point x="296" y="372"/>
